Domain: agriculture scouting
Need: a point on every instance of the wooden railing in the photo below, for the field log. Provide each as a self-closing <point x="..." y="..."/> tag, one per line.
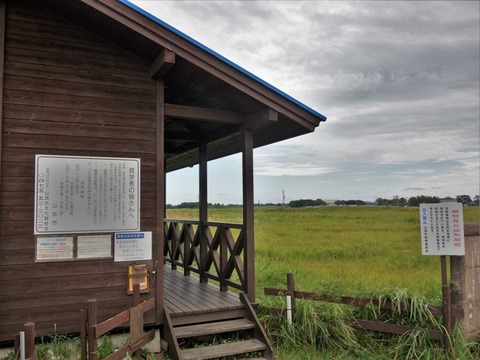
<point x="213" y="250"/>
<point x="91" y="331"/>
<point x="25" y="348"/>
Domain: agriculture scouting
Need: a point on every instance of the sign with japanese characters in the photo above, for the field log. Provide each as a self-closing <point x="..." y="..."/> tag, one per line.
<point x="133" y="246"/>
<point x="86" y="194"/>
<point x="442" y="229"/>
<point x="54" y="248"/>
<point x="94" y="246"/>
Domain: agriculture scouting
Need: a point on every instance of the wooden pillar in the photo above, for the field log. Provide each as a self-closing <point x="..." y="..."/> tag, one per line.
<point x="203" y="209"/>
<point x="465" y="276"/>
<point x="248" y="207"/>
<point x="160" y="66"/>
<point x="160" y="197"/>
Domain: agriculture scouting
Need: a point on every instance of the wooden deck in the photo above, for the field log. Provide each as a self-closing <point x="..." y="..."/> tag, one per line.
<point x="185" y="295"/>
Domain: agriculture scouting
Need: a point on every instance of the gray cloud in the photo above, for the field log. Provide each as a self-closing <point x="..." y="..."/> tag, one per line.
<point x="399" y="82"/>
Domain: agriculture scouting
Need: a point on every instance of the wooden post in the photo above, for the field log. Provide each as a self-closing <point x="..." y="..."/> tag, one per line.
<point x="248" y="208"/>
<point x="465" y="275"/>
<point x="92" y="336"/>
<point x="447" y="306"/>
<point x="136" y="301"/>
<point x="291" y="292"/>
<point x="203" y="209"/>
<point x="83" y="333"/>
<point x="136" y="294"/>
<point x="29" y="340"/>
<point x="160" y="164"/>
<point x="223" y="259"/>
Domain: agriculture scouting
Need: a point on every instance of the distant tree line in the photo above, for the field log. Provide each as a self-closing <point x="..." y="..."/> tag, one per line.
<point x="395" y="201"/>
<point x="350" y="202"/>
<point x="422" y="199"/>
<point x="306" y="202"/>
<point x="196" y="205"/>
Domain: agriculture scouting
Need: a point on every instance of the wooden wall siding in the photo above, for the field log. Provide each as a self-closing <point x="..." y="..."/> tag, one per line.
<point x="2" y="58"/>
<point x="65" y="92"/>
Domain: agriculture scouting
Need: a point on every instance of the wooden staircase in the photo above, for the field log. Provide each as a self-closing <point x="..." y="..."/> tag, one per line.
<point x="240" y="332"/>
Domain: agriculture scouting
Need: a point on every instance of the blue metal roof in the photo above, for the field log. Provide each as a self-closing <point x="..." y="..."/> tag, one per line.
<point x="220" y="57"/>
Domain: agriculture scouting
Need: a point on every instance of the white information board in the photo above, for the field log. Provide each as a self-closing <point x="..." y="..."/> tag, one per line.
<point x="133" y="246"/>
<point x="86" y="194"/>
<point x="54" y="248"/>
<point x="442" y="229"/>
<point x="94" y="246"/>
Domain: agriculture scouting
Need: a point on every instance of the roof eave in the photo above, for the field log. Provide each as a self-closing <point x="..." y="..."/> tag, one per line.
<point x="133" y="17"/>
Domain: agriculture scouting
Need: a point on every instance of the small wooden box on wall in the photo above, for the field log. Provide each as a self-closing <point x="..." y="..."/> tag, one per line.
<point x="138" y="274"/>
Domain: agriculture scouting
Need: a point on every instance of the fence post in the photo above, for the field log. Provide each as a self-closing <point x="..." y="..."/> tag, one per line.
<point x="465" y="274"/>
<point x="29" y="340"/>
<point x="136" y="301"/>
<point x="291" y="296"/>
<point x="92" y="336"/>
<point x="447" y="304"/>
<point x="83" y="333"/>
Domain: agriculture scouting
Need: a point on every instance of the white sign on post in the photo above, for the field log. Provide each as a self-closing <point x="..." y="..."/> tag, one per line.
<point x="442" y="229"/>
<point x="86" y="194"/>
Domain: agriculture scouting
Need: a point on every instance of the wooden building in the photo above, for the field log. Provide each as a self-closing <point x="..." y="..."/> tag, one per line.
<point x="103" y="78"/>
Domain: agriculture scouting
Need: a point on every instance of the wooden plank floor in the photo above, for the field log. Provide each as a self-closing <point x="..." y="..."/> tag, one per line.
<point x="185" y="295"/>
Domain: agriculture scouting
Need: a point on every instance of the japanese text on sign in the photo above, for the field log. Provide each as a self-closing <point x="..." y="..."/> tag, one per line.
<point x="54" y="248"/>
<point x="86" y="194"/>
<point x="133" y="246"/>
<point x="442" y="229"/>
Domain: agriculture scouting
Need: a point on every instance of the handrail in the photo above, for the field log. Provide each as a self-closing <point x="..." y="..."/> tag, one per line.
<point x="182" y="221"/>
<point x="208" y="223"/>
<point x="210" y="250"/>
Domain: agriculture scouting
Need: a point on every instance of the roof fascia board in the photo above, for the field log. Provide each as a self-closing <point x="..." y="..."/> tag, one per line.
<point x="133" y="17"/>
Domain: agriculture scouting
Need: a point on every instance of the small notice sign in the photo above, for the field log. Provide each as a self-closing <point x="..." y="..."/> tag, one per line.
<point x="54" y="248"/>
<point x="94" y="246"/>
<point x="442" y="229"/>
<point x="133" y="246"/>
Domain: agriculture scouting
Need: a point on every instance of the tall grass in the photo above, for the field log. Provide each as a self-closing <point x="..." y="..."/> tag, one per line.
<point x="326" y="331"/>
<point x="370" y="252"/>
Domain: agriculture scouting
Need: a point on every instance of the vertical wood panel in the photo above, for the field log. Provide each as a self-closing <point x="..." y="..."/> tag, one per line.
<point x="2" y="62"/>
<point x="106" y="107"/>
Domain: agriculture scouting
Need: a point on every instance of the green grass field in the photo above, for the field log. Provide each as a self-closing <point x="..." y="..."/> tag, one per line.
<point x="350" y="251"/>
<point x="369" y="252"/>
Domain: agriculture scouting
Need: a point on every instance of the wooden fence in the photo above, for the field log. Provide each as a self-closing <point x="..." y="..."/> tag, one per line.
<point x="91" y="331"/>
<point x="359" y="302"/>
<point x="28" y="342"/>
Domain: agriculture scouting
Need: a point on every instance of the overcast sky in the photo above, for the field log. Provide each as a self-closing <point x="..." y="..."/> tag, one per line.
<point x="399" y="83"/>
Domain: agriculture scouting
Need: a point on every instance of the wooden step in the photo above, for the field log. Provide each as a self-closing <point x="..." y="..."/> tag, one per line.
<point x="217" y="327"/>
<point x="178" y="320"/>
<point x="215" y="351"/>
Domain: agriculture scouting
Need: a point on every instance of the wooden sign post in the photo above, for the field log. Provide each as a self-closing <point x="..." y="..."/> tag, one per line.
<point x="442" y="234"/>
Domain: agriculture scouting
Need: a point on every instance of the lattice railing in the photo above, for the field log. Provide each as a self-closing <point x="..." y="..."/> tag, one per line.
<point x="213" y="250"/>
